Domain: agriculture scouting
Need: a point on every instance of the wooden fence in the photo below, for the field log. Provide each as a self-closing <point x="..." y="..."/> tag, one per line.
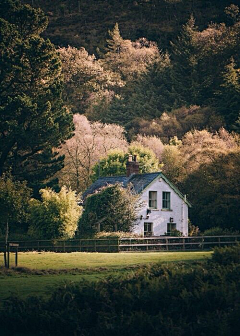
<point x="74" y="245"/>
<point x="162" y="243"/>
<point x="176" y="243"/>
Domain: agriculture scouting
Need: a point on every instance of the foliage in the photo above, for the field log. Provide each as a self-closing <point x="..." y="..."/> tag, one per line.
<point x="55" y="216"/>
<point x="113" y="208"/>
<point x="151" y="142"/>
<point x="115" y="162"/>
<point x="226" y="255"/>
<point x="213" y="189"/>
<point x="172" y="161"/>
<point x="179" y="121"/>
<point x="229" y="101"/>
<point x="219" y="231"/>
<point x="117" y="234"/>
<point x="204" y="147"/>
<point x="154" y="300"/>
<point x="129" y="59"/>
<point x="90" y="142"/>
<point x="14" y="197"/>
<point x="85" y="81"/>
<point x="33" y="120"/>
<point x="159" y="21"/>
<point x="193" y="230"/>
<point x="174" y="233"/>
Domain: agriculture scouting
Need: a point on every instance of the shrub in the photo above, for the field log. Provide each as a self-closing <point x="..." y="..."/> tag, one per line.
<point x="226" y="255"/>
<point x="169" y="300"/>
<point x="117" y="234"/>
<point x="55" y="216"/>
<point x="193" y="230"/>
<point x="174" y="233"/>
<point x="218" y="231"/>
<point x="113" y="208"/>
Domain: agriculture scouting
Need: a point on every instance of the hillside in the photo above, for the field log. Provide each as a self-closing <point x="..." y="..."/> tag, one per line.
<point x="85" y="23"/>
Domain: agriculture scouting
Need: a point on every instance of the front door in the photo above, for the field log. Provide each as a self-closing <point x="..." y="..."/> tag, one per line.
<point x="148" y="229"/>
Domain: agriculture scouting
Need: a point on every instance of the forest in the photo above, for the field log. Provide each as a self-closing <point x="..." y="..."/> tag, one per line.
<point x="83" y="83"/>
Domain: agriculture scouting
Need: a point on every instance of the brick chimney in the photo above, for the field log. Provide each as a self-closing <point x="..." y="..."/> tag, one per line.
<point x="132" y="165"/>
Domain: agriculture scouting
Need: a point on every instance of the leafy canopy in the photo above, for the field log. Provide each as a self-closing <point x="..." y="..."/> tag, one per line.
<point x="115" y="162"/>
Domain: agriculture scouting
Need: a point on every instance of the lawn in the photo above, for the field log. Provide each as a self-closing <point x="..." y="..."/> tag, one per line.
<point x="43" y="271"/>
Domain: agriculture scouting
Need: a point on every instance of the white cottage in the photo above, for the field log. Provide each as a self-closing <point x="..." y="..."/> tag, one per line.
<point x="165" y="208"/>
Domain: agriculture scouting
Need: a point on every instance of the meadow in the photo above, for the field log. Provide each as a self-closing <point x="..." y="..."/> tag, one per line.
<point x="38" y="273"/>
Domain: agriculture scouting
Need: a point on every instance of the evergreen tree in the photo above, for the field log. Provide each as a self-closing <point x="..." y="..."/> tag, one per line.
<point x="228" y="102"/>
<point x="32" y="118"/>
<point x="185" y="75"/>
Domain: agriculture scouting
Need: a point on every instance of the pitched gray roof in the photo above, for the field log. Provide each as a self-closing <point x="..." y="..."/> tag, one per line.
<point x="141" y="181"/>
<point x="138" y="181"/>
<point x="103" y="182"/>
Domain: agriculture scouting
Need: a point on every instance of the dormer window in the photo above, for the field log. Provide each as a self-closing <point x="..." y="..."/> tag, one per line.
<point x="152" y="200"/>
<point x="166" y="201"/>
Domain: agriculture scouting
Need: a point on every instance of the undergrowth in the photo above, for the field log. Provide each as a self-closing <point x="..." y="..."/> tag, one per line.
<point x="176" y="299"/>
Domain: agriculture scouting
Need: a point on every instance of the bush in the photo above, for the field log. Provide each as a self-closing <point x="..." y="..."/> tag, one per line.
<point x="226" y="255"/>
<point x="113" y="208"/>
<point x="117" y="234"/>
<point x="218" y="231"/>
<point x="172" y="300"/>
<point x="56" y="216"/>
<point x="193" y="230"/>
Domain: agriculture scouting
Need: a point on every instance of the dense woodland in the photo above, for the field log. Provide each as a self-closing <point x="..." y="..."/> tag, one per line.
<point x="87" y="82"/>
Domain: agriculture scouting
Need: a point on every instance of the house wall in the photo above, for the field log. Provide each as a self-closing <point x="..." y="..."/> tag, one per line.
<point x="160" y="217"/>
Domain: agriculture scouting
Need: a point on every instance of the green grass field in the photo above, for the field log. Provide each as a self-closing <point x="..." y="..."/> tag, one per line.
<point x="43" y="271"/>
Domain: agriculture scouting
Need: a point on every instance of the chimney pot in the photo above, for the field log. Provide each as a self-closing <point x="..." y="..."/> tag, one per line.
<point x="132" y="165"/>
<point x="130" y="158"/>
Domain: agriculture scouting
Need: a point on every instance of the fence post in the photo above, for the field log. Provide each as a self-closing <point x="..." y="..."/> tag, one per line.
<point x="183" y="244"/>
<point x="219" y="244"/>
<point x="8" y="255"/>
<point x="166" y="244"/>
<point x="202" y="243"/>
<point x="16" y="257"/>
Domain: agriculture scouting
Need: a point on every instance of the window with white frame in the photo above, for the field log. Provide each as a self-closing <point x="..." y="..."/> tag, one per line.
<point x="152" y="200"/>
<point x="166" y="200"/>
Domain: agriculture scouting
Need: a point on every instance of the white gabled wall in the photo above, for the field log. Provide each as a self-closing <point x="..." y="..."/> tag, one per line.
<point x="159" y="217"/>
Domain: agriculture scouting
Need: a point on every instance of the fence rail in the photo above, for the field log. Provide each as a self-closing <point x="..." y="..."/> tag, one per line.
<point x="176" y="243"/>
<point x="162" y="243"/>
<point x="74" y="245"/>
